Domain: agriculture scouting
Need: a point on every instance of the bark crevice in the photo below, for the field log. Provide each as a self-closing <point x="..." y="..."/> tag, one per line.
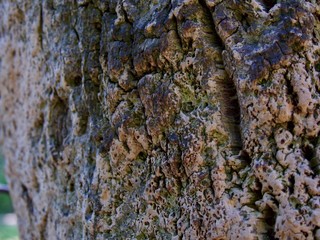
<point x="227" y="92"/>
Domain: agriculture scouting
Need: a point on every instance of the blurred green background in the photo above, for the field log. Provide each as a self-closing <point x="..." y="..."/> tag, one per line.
<point x="7" y="232"/>
<point x="5" y="202"/>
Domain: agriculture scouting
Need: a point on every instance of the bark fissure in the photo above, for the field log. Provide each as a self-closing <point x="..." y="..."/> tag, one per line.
<point x="268" y="4"/>
<point x="227" y="93"/>
<point x="40" y="28"/>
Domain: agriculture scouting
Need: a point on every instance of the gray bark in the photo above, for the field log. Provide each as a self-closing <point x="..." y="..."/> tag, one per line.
<point x="179" y="119"/>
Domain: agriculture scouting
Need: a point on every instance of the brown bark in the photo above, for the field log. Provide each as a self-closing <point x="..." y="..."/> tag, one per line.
<point x="162" y="119"/>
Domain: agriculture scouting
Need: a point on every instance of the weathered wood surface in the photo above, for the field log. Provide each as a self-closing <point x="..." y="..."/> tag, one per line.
<point x="161" y="119"/>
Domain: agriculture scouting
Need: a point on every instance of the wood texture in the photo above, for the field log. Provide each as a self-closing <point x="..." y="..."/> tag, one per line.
<point x="158" y="119"/>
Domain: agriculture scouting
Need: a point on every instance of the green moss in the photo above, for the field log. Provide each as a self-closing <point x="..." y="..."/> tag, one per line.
<point x="141" y="236"/>
<point x="220" y="138"/>
<point x="265" y="83"/>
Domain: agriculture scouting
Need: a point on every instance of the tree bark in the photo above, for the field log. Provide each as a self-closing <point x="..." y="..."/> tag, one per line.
<point x="158" y="119"/>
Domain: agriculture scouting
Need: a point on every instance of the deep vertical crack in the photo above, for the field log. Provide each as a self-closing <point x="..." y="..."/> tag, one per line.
<point x="40" y="27"/>
<point x="227" y="94"/>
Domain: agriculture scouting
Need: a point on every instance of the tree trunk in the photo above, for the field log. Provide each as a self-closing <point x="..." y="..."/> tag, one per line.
<point x="158" y="119"/>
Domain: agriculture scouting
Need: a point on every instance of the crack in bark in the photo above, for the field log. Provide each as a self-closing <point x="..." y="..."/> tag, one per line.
<point x="227" y="93"/>
<point x="40" y="27"/>
<point x="268" y="4"/>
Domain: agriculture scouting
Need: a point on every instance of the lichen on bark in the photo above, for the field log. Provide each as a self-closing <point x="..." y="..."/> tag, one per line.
<point x="181" y="119"/>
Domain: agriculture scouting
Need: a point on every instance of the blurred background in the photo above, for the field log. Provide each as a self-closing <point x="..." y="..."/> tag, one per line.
<point x="8" y="221"/>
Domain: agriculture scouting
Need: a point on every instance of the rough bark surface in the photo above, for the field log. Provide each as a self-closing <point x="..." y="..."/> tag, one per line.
<point x="159" y="119"/>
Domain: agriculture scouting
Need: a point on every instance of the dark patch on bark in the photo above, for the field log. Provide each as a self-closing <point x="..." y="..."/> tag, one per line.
<point x="268" y="4"/>
<point x="26" y="197"/>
